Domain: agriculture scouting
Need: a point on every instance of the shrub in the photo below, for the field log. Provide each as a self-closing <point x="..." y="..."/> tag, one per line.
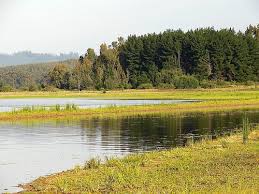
<point x="250" y="83"/>
<point x="208" y="84"/>
<point x="6" y="88"/>
<point x="126" y="86"/>
<point x="50" y="89"/>
<point x="24" y="88"/>
<point x="165" y="86"/>
<point x="33" y="88"/>
<point x="186" y="82"/>
<point x="223" y="83"/>
<point x="145" y="86"/>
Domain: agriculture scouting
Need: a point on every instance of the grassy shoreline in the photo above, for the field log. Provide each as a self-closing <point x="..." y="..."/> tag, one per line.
<point x="221" y="166"/>
<point x="191" y="94"/>
<point x="225" y="165"/>
<point x="213" y="100"/>
<point x="206" y="106"/>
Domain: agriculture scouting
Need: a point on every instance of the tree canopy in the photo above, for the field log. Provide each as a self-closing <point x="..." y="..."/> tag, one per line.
<point x="172" y="59"/>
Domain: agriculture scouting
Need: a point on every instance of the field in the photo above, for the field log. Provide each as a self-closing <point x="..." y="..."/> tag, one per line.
<point x="235" y="93"/>
<point x="222" y="166"/>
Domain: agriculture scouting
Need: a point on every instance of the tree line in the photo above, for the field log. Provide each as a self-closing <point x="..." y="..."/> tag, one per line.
<point x="169" y="59"/>
<point x="203" y="57"/>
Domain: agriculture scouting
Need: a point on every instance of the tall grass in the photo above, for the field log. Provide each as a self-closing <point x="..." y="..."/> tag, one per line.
<point x="40" y="109"/>
<point x="115" y="111"/>
<point x="245" y="129"/>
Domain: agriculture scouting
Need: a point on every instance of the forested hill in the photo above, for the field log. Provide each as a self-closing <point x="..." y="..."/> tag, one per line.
<point x="27" y="57"/>
<point x="25" y="76"/>
<point x="173" y="59"/>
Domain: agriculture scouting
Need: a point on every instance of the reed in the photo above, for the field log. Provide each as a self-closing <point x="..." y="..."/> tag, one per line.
<point x="245" y="129"/>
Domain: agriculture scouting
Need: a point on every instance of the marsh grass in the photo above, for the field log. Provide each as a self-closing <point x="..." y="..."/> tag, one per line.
<point x="245" y="129"/>
<point x="92" y="164"/>
<point x="212" y="100"/>
<point x="201" y="94"/>
<point x="71" y="110"/>
<point x="225" y="165"/>
<point x="41" y="109"/>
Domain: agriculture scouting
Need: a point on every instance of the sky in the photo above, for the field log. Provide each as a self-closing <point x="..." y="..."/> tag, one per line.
<point x="62" y="26"/>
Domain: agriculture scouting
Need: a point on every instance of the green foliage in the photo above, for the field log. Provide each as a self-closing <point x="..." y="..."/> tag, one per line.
<point x="22" y="76"/>
<point x="145" y="86"/>
<point x="168" y="58"/>
<point x="166" y="86"/>
<point x="208" y="84"/>
<point x="50" y="88"/>
<point x="6" y="88"/>
<point x="33" y="87"/>
<point x="186" y="82"/>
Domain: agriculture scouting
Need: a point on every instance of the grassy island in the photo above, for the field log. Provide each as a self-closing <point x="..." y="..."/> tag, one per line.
<point x="211" y="100"/>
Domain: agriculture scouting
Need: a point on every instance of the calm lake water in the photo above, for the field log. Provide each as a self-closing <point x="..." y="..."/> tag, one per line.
<point x="10" y="104"/>
<point x="32" y="149"/>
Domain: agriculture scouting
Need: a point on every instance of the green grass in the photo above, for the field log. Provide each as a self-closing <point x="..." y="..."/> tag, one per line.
<point x="214" y="100"/>
<point x="41" y="109"/>
<point x="222" y="166"/>
<point x="72" y="111"/>
<point x="203" y="94"/>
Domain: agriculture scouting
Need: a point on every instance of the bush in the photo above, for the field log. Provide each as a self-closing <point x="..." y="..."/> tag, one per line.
<point x="33" y="88"/>
<point x="24" y="88"/>
<point x="6" y="88"/>
<point x="250" y="83"/>
<point x="50" y="89"/>
<point x="126" y="86"/>
<point x="165" y="86"/>
<point x="145" y="86"/>
<point x="222" y="83"/>
<point x="186" y="82"/>
<point x="208" y="84"/>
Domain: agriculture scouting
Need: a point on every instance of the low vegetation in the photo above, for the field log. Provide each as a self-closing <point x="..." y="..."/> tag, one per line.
<point x="115" y="111"/>
<point x="211" y="100"/>
<point x="238" y="93"/>
<point x="225" y="165"/>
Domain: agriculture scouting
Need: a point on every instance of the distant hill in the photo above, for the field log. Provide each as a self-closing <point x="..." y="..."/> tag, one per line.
<point x="27" y="57"/>
<point x="24" y="75"/>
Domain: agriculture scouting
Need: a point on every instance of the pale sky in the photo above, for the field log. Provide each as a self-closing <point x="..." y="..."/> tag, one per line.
<point x="55" y="26"/>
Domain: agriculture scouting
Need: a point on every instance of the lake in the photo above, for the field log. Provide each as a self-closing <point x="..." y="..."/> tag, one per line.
<point x="10" y="104"/>
<point x="30" y="149"/>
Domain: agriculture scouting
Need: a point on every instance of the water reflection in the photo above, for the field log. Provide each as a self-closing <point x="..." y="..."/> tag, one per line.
<point x="34" y="148"/>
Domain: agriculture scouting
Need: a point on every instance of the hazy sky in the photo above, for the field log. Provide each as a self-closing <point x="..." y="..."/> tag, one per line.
<point x="55" y="26"/>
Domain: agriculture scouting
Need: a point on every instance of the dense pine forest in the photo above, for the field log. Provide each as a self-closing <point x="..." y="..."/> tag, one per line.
<point x="173" y="59"/>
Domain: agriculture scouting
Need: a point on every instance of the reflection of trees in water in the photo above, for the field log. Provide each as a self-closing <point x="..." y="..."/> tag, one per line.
<point x="142" y="132"/>
<point x="154" y="131"/>
<point x="101" y="130"/>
